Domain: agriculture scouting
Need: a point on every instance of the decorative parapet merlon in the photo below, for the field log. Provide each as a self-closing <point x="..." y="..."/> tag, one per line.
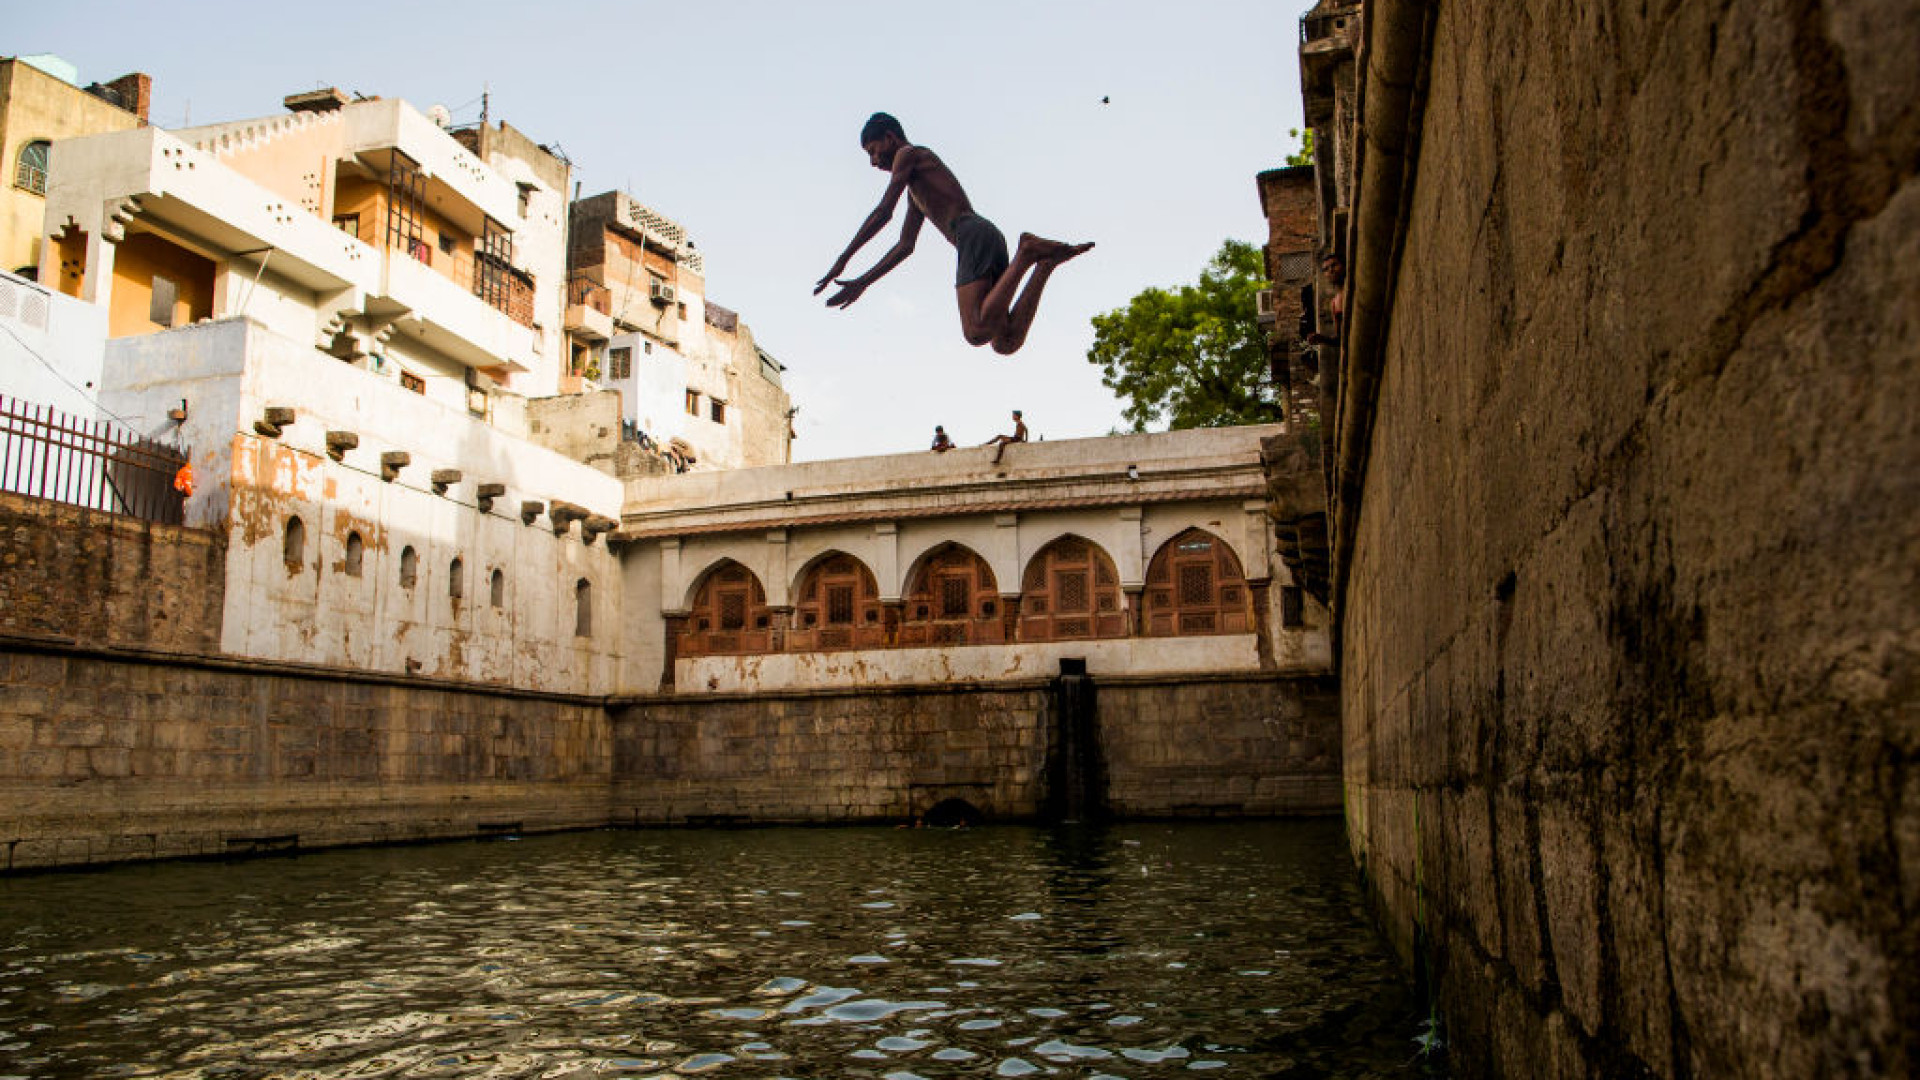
<point x="595" y="524"/>
<point x="392" y="461"/>
<point x="530" y="509"/>
<point x="485" y="494"/>
<point x="339" y="442"/>
<point x="275" y="418"/>
<point x="444" y="478"/>
<point x="564" y="514"/>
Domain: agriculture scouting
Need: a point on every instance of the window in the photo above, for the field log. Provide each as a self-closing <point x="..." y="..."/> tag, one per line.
<point x="526" y="197"/>
<point x="293" y="547"/>
<point x="356" y="554"/>
<point x="497" y="589"/>
<point x="620" y="362"/>
<point x="409" y="567"/>
<point x="456" y="580"/>
<point x="583" y="608"/>
<point x="413" y="382"/>
<point x="31" y="172"/>
<point x="166" y="293"/>
<point x="718" y="410"/>
<point x="446" y="243"/>
<point x="693" y="402"/>
<point x="348" y="223"/>
<point x="681" y="308"/>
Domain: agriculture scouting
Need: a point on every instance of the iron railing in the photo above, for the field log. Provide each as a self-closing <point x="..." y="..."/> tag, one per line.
<point x="47" y="454"/>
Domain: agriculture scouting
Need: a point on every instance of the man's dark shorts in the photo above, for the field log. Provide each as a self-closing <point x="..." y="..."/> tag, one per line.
<point x="983" y="251"/>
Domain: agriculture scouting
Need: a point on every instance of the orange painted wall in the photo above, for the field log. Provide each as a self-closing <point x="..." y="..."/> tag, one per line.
<point x="135" y="262"/>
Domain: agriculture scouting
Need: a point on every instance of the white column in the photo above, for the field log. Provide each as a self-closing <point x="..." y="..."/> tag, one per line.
<point x="673" y="591"/>
<point x="886" y="561"/>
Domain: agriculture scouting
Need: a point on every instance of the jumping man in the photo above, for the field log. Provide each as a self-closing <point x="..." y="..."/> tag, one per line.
<point x="990" y="311"/>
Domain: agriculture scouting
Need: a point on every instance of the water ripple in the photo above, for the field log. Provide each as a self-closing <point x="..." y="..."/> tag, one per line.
<point x="713" y="953"/>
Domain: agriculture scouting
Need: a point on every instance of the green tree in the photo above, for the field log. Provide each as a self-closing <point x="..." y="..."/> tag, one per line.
<point x="1194" y="356"/>
<point x="1304" y="155"/>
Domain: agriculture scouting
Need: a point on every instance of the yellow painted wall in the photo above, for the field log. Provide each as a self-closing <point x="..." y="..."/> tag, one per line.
<point x="135" y="262"/>
<point x="35" y="105"/>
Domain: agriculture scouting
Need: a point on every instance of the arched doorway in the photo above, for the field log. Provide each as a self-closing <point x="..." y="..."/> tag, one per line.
<point x="836" y="607"/>
<point x="1195" y="586"/>
<point x="1071" y="591"/>
<point x="951" y="599"/>
<point x="729" y="614"/>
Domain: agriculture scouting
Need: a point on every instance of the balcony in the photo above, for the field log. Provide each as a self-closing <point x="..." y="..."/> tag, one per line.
<point x="589" y="313"/>
<point x="445" y="315"/>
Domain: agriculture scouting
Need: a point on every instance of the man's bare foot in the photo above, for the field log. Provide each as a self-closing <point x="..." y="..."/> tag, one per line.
<point x="1050" y="252"/>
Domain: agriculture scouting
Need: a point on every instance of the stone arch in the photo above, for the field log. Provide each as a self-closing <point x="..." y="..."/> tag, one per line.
<point x="293" y="544"/>
<point x="583" y="608"/>
<point x="1071" y="591"/>
<point x="1195" y="586"/>
<point x="836" y="605"/>
<point x="728" y="613"/>
<point x="951" y="598"/>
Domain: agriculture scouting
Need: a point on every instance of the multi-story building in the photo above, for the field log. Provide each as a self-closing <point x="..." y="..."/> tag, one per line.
<point x="41" y="101"/>
<point x="360" y="226"/>
<point x="690" y="375"/>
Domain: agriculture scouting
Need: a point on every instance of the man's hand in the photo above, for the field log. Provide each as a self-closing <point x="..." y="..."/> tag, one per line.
<point x="837" y="270"/>
<point x="850" y="291"/>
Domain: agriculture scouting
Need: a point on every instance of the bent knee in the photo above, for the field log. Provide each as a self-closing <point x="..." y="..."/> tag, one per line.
<point x="1007" y="346"/>
<point x="977" y="338"/>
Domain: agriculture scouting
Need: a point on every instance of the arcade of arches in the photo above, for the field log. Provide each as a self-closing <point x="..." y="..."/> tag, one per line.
<point x="1070" y="591"/>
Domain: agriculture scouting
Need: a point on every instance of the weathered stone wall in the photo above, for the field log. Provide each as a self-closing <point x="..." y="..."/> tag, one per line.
<point x="1195" y="746"/>
<point x="81" y="575"/>
<point x="1629" y="637"/>
<point x="109" y="757"/>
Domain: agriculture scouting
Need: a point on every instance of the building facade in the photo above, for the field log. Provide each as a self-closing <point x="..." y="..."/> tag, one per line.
<point x="41" y="102"/>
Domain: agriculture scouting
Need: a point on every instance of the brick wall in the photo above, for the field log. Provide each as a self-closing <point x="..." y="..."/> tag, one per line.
<point x="86" y="576"/>
<point x="1221" y="746"/>
<point x="1629" y="652"/>
<point x="107" y="757"/>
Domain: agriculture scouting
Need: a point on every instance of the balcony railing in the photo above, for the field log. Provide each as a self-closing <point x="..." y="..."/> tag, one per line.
<point x="585" y="291"/>
<point x="48" y="454"/>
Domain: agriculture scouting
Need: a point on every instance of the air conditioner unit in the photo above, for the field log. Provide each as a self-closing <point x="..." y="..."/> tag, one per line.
<point x="1263" y="304"/>
<point x="662" y="293"/>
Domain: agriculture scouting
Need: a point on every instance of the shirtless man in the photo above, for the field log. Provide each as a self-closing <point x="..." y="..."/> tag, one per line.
<point x="990" y="311"/>
<point x="1001" y="442"/>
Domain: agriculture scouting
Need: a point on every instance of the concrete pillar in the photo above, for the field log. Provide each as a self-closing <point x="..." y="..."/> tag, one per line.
<point x="1256" y="550"/>
<point x="777" y="585"/>
<point x="1129" y="556"/>
<point x="1136" y="594"/>
<point x="886" y="568"/>
<point x="1262" y="621"/>
<point x="1005" y="554"/>
<point x="779" y="621"/>
<point x="673" y="591"/>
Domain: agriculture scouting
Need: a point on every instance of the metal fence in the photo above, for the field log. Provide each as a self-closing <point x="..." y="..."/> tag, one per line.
<point x="48" y="454"/>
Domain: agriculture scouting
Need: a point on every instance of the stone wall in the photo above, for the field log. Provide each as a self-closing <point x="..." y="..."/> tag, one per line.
<point x="86" y="576"/>
<point x="1196" y="746"/>
<point x="109" y="756"/>
<point x="1629" y="644"/>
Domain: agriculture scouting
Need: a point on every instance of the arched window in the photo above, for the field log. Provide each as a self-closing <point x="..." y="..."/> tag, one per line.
<point x="837" y="607"/>
<point x="951" y="599"/>
<point x="1071" y="591"/>
<point x="730" y="614"/>
<point x="409" y="567"/>
<point x="497" y="588"/>
<point x="456" y="579"/>
<point x="1194" y="586"/>
<point x="293" y="547"/>
<point x="583" y="608"/>
<point x="31" y="170"/>
<point x="356" y="553"/>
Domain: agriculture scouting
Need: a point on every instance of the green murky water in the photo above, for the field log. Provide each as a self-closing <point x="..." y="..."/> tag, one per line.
<point x="1135" y="951"/>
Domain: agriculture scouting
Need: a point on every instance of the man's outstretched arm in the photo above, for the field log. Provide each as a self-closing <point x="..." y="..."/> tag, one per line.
<point x="903" y="166"/>
<point x="897" y="254"/>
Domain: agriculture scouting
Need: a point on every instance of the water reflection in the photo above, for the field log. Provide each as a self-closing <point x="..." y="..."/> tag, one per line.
<point x="1131" y="951"/>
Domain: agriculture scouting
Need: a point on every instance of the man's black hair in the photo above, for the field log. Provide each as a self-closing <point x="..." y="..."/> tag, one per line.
<point x="881" y="124"/>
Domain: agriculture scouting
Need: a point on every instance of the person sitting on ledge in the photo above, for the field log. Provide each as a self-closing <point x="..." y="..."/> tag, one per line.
<point x="1001" y="442"/>
<point x="941" y="444"/>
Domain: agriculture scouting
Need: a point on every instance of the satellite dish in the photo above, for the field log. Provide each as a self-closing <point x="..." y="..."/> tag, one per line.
<point x="441" y="117"/>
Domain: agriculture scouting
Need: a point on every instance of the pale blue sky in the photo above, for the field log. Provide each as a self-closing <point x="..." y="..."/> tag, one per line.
<point x="740" y="119"/>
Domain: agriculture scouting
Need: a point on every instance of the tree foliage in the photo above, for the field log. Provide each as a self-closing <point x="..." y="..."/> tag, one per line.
<point x="1304" y="155"/>
<point x="1193" y="356"/>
